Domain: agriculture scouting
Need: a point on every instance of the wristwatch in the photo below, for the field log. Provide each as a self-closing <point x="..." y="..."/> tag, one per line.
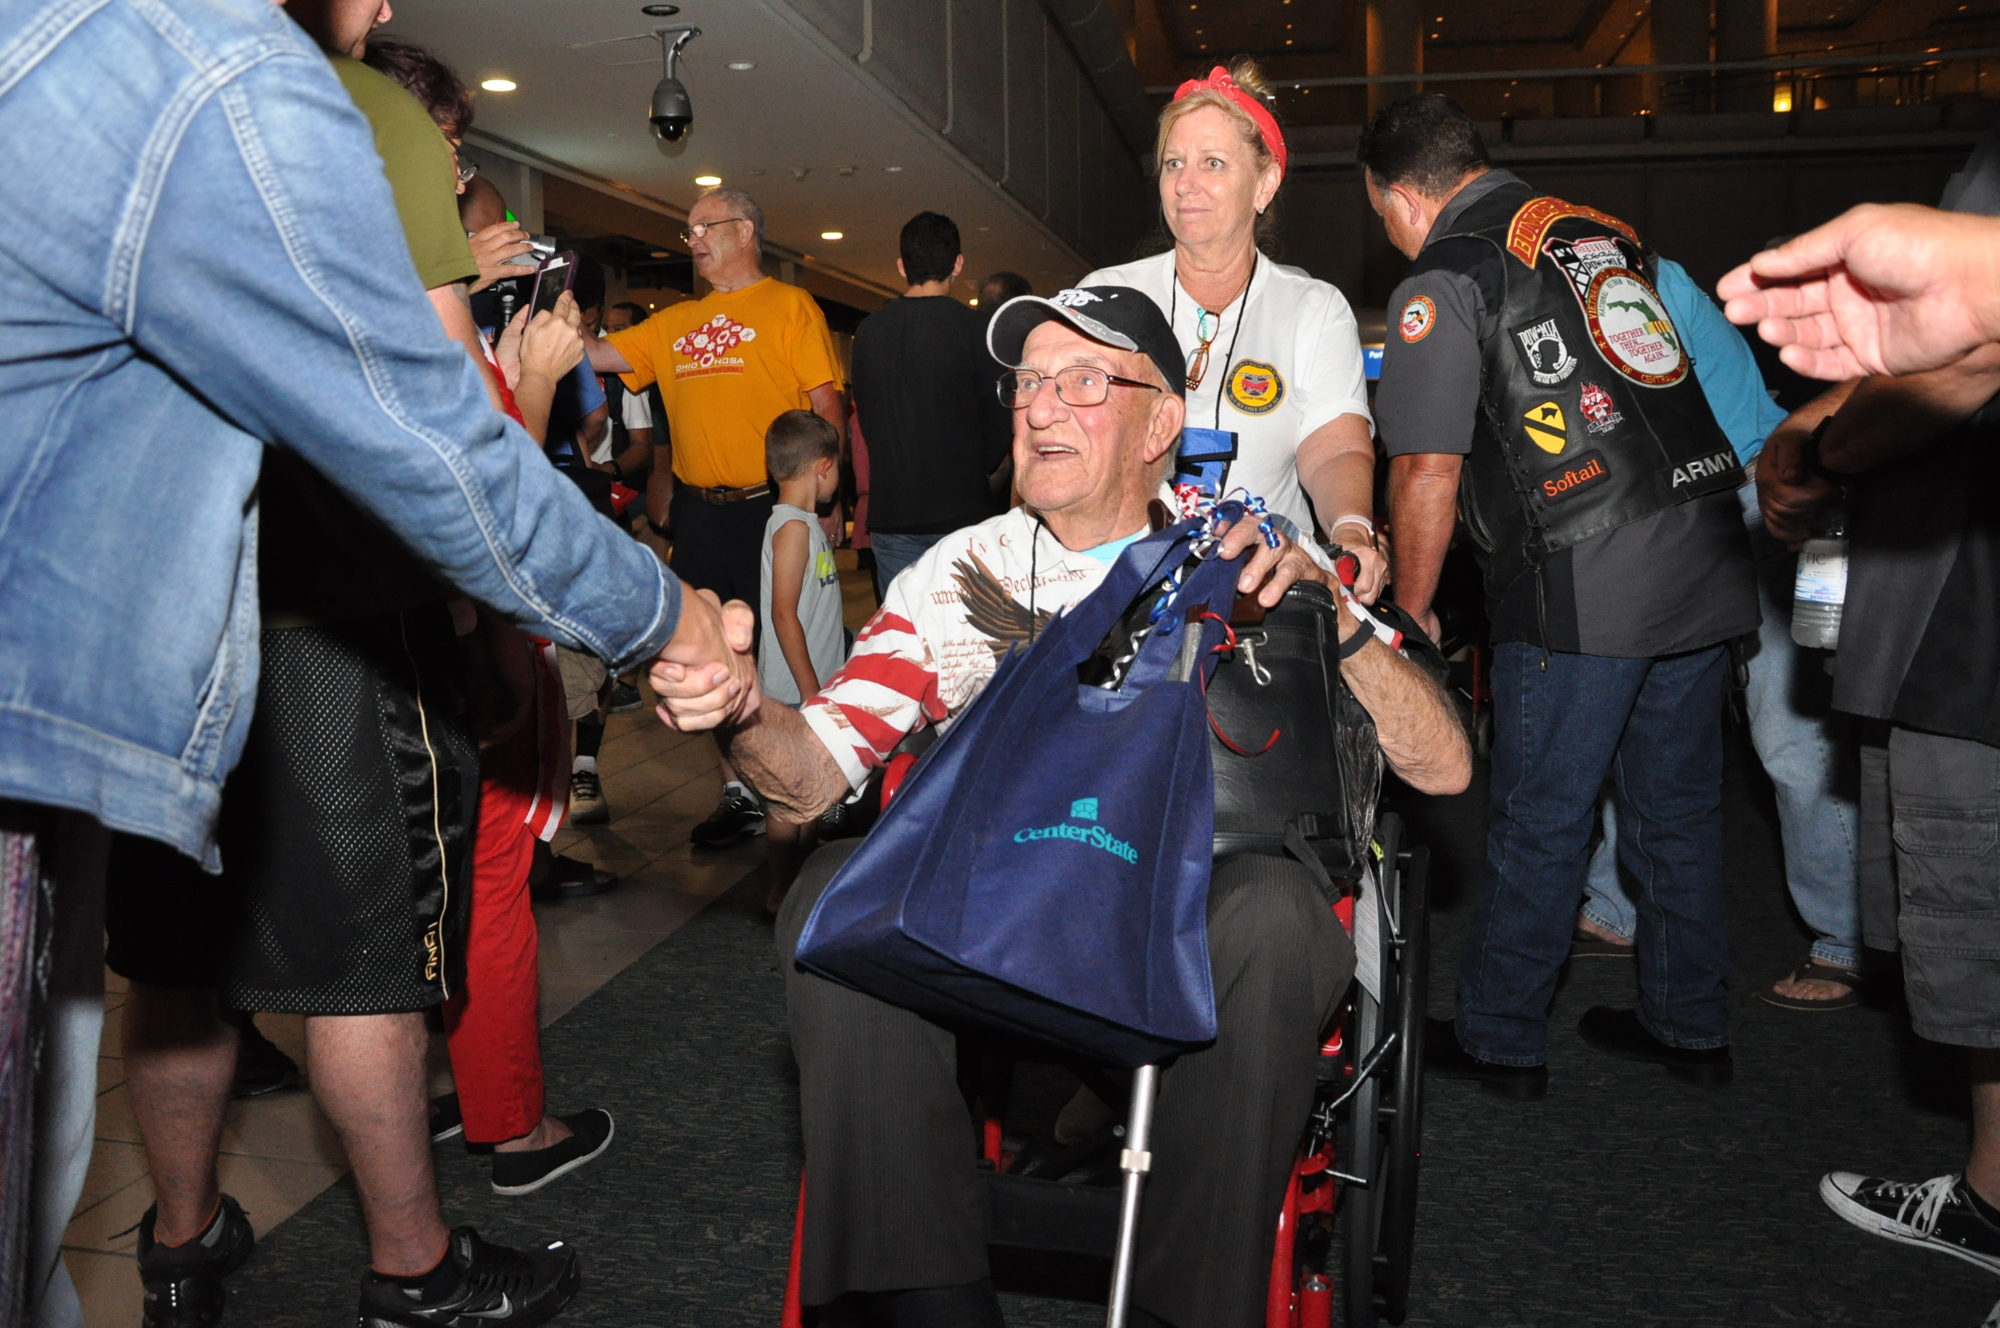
<point x="1809" y="455"/>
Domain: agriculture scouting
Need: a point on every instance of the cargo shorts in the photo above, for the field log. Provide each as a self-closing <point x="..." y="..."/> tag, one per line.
<point x="1944" y="798"/>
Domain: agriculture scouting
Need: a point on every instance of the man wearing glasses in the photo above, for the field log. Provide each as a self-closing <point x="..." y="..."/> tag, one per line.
<point x="894" y="1209"/>
<point x="727" y="364"/>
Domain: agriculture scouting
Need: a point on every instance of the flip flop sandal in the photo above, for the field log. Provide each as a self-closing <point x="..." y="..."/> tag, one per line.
<point x="1817" y="970"/>
<point x="1585" y="945"/>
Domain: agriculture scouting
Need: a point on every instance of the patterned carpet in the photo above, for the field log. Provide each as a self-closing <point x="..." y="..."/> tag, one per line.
<point x="1625" y="1198"/>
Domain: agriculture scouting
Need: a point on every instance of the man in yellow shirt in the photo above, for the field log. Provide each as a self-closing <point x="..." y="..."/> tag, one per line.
<point x="727" y="365"/>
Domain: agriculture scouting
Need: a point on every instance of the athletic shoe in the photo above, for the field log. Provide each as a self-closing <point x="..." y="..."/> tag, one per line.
<point x="571" y="878"/>
<point x="1620" y="1033"/>
<point x="1446" y="1058"/>
<point x="495" y="1285"/>
<point x="625" y="698"/>
<point x="734" y="820"/>
<point x="261" y="1066"/>
<point x="524" y="1173"/>
<point x="586" y="799"/>
<point x="1935" y="1214"/>
<point x="184" y="1283"/>
<point x="446" y="1118"/>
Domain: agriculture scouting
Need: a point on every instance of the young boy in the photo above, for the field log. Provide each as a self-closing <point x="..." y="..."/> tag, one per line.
<point x="804" y="636"/>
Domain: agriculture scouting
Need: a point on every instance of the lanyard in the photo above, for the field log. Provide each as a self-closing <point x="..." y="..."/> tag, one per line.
<point x="1242" y="314"/>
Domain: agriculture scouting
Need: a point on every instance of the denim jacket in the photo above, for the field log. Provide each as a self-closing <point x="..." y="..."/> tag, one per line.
<point x="202" y="258"/>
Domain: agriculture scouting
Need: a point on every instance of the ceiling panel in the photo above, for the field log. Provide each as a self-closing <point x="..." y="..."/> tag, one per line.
<point x="1223" y="28"/>
<point x="1822" y="13"/>
<point x="784" y="130"/>
<point x="1459" y="22"/>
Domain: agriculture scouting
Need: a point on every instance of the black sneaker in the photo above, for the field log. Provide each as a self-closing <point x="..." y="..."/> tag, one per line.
<point x="496" y="1285"/>
<point x="1620" y="1033"/>
<point x="1445" y="1058"/>
<point x="446" y="1118"/>
<point x="736" y="819"/>
<point x="586" y="799"/>
<point x="184" y="1283"/>
<point x="1935" y="1214"/>
<point x="624" y="698"/>
<point x="524" y="1173"/>
<point x="261" y="1066"/>
<point x="571" y="878"/>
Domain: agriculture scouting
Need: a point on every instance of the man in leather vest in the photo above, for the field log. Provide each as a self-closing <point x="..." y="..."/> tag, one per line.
<point x="1534" y="380"/>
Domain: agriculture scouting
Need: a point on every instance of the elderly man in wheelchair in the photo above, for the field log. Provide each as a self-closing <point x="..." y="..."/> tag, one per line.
<point x="893" y="1209"/>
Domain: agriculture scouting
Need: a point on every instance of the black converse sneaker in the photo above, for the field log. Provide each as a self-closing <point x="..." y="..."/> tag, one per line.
<point x="184" y="1282"/>
<point x="495" y="1285"/>
<point x="1935" y="1214"/>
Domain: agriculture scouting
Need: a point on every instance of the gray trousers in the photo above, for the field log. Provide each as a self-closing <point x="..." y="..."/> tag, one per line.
<point x="893" y="1197"/>
<point x="1942" y="814"/>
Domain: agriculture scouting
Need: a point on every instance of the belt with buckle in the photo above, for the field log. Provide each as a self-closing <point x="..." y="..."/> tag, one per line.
<point x="721" y="497"/>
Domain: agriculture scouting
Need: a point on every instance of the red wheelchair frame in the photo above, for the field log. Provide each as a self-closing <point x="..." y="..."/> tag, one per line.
<point x="1375" y="1044"/>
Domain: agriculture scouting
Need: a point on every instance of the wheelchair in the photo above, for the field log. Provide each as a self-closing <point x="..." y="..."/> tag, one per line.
<point x="1346" y="1229"/>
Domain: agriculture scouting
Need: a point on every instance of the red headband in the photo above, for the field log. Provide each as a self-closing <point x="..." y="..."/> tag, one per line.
<point x="1218" y="80"/>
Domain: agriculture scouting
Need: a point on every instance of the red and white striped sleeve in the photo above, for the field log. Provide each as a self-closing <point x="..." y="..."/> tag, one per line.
<point x="887" y="688"/>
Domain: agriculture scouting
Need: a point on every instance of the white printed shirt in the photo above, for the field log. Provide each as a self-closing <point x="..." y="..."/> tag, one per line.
<point x="942" y="630"/>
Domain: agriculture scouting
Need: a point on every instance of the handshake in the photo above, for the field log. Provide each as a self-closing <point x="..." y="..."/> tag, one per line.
<point x="707" y="675"/>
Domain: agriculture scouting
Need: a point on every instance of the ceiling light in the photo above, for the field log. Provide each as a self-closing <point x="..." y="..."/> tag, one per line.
<point x="833" y="235"/>
<point x="892" y="169"/>
<point x="660" y="11"/>
<point x="661" y="253"/>
<point x="708" y="181"/>
<point x="975" y="301"/>
<point x="741" y="66"/>
<point x="498" y="84"/>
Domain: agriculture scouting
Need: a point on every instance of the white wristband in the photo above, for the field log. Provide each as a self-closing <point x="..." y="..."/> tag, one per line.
<point x="1354" y="519"/>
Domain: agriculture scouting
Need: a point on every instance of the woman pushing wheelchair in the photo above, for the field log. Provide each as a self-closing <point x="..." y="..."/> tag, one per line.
<point x="893" y="1211"/>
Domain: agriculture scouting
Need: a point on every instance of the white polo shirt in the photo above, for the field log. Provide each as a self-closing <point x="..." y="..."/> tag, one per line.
<point x="1286" y="360"/>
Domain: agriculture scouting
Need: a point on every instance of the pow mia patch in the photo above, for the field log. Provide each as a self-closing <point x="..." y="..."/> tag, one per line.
<point x="1255" y="388"/>
<point x="1548" y="357"/>
<point x="1419" y="316"/>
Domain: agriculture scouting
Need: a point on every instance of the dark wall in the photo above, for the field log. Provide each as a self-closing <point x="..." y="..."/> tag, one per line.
<point x="1708" y="215"/>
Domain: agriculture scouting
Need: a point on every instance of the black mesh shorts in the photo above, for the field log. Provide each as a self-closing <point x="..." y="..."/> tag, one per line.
<point x="346" y="834"/>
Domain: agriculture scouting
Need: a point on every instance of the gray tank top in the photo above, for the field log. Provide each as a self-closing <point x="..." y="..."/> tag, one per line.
<point x="819" y="611"/>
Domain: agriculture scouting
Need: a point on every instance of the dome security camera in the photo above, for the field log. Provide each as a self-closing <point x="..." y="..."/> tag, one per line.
<point x="672" y="112"/>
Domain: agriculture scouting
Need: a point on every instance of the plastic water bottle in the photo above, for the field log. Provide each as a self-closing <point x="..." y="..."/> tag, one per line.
<point x="1821" y="588"/>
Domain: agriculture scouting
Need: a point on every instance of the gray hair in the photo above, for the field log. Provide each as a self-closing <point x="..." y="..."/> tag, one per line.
<point x="743" y="205"/>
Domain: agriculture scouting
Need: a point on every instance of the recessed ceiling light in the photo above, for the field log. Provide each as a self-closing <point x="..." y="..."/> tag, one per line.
<point x="661" y="253"/>
<point x="498" y="84"/>
<point x="975" y="301"/>
<point x="892" y="169"/>
<point x="741" y="66"/>
<point x="660" y="11"/>
<point x="708" y="181"/>
<point x="833" y="235"/>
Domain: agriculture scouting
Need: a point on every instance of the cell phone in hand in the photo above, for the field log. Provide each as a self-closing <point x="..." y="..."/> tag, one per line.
<point x="551" y="280"/>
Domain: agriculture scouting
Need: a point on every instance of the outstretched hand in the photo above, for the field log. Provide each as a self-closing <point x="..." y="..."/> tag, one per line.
<point x="1880" y="289"/>
<point x="706" y="678"/>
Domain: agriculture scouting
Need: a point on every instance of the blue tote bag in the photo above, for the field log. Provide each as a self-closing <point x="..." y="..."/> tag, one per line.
<point x="1043" y="871"/>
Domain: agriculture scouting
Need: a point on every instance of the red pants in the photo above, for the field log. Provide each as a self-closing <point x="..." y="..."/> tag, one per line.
<point x="491" y="1023"/>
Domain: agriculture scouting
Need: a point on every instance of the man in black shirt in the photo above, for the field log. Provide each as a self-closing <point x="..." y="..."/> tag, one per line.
<point x="923" y="387"/>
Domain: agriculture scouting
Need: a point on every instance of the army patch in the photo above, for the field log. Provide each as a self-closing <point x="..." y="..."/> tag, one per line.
<point x="1419" y="316"/>
<point x="1254" y="388"/>
<point x="1548" y="357"/>
<point x="1546" y="428"/>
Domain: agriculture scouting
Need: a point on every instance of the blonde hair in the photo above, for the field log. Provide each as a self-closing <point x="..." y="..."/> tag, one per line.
<point x="1247" y="76"/>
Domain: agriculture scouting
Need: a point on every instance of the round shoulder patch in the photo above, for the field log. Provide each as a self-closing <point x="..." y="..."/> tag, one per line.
<point x="1255" y="388"/>
<point x="1628" y="320"/>
<point x="1417" y="318"/>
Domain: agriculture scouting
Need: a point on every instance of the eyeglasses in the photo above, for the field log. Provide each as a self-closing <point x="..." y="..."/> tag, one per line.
<point x="696" y="230"/>
<point x="466" y="170"/>
<point x="1078" y="385"/>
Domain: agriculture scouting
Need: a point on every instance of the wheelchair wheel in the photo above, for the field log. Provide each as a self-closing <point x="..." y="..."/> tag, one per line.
<point x="1360" y="1159"/>
<point x="1403" y="1093"/>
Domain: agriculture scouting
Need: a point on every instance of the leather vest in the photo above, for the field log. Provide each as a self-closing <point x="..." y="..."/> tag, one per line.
<point x="1586" y="385"/>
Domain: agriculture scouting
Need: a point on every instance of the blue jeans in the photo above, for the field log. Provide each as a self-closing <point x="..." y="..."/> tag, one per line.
<point x="1809" y="754"/>
<point x="1653" y="727"/>
<point x="894" y="552"/>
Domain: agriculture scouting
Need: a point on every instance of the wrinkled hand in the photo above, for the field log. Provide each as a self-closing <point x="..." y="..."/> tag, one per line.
<point x="552" y="343"/>
<point x="507" y="350"/>
<point x="1269" y="572"/>
<point x="706" y="678"/>
<point x="1790" y="496"/>
<point x="1880" y="289"/>
<point x="492" y="247"/>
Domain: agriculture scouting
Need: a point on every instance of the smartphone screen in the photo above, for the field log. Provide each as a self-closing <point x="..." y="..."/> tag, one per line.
<point x="552" y="280"/>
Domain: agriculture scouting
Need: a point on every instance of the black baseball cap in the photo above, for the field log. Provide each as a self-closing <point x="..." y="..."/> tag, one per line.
<point x="1115" y="315"/>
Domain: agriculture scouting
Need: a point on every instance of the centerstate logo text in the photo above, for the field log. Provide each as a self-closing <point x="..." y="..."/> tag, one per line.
<point x="1096" y="836"/>
<point x="708" y="347"/>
